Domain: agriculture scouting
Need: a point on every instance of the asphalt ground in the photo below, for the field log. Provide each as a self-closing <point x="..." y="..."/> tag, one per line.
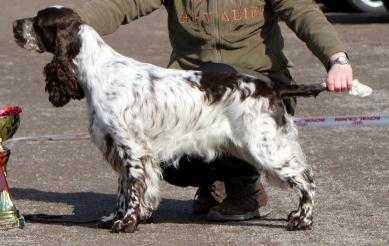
<point x="70" y="177"/>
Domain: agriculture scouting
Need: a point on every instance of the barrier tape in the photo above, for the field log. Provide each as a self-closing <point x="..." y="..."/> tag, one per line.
<point x="51" y="138"/>
<point x="343" y="121"/>
<point x="318" y="122"/>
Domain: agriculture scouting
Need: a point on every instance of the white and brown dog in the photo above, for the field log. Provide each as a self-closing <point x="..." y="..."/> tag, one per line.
<point x="141" y="115"/>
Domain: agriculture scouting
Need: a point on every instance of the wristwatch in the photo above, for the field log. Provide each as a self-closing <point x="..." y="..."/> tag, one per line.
<point x="341" y="60"/>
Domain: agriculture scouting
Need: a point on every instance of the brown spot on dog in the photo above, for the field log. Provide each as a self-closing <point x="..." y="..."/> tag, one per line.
<point x="279" y="112"/>
<point x="108" y="146"/>
<point x="216" y="84"/>
<point x="154" y="77"/>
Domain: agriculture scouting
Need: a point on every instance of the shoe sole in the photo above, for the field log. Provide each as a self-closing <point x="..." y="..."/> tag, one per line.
<point x="216" y="216"/>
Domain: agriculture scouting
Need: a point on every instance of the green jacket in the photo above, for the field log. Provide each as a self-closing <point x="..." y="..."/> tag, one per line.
<point x="241" y="33"/>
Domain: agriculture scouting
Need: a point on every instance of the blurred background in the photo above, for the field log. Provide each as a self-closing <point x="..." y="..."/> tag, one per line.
<point x="366" y="6"/>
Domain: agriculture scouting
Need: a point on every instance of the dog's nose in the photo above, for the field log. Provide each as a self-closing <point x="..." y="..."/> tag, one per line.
<point x="17" y="31"/>
<point x="17" y="27"/>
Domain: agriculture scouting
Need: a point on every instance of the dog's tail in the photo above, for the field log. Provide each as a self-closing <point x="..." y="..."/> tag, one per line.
<point x="300" y="90"/>
<point x="309" y="90"/>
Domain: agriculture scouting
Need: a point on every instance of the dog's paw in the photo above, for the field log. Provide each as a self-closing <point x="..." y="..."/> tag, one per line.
<point x="298" y="222"/>
<point x="128" y="226"/>
<point x="148" y="220"/>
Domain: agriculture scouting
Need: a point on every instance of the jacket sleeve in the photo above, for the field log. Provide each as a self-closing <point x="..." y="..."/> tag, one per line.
<point x="310" y="24"/>
<point x="107" y="15"/>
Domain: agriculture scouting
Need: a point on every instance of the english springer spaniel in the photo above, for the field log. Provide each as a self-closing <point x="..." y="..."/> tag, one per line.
<point x="142" y="115"/>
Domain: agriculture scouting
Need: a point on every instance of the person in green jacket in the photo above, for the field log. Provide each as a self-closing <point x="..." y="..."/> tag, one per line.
<point x="246" y="36"/>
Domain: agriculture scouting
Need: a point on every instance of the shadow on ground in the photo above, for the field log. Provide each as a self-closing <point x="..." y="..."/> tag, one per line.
<point x="88" y="207"/>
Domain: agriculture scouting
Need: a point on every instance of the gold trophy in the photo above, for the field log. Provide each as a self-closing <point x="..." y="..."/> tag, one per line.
<point x="9" y="215"/>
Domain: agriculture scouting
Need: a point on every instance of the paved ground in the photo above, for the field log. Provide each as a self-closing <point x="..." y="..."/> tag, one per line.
<point x="70" y="177"/>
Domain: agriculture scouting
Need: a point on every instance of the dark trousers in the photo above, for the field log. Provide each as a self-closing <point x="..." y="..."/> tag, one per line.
<point x="239" y="177"/>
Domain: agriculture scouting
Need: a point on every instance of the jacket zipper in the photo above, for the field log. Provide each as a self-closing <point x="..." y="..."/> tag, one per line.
<point x="217" y="31"/>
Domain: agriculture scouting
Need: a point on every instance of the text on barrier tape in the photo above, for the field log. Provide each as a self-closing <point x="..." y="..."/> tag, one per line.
<point x="343" y="121"/>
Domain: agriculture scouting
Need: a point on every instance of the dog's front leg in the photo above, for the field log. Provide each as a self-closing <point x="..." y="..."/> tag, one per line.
<point x="126" y="215"/>
<point x="127" y="211"/>
<point x="138" y="182"/>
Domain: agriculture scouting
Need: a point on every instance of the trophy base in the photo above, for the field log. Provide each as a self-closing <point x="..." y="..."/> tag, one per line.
<point x="11" y="220"/>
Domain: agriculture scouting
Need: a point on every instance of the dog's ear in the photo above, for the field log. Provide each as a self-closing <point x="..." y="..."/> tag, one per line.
<point x="67" y="47"/>
<point x="61" y="80"/>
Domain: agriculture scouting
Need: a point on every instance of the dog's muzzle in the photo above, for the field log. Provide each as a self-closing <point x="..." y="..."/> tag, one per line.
<point x="25" y="35"/>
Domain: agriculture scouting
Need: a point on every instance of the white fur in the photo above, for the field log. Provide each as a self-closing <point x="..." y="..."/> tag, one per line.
<point x="218" y="124"/>
<point x="161" y="113"/>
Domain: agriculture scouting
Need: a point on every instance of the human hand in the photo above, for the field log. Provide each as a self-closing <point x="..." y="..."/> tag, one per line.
<point x="340" y="75"/>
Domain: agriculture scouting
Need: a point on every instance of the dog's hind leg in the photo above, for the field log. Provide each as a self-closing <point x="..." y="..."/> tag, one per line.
<point x="277" y="152"/>
<point x="302" y="218"/>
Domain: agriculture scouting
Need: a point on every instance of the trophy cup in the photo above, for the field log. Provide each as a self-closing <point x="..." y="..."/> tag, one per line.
<point x="9" y="215"/>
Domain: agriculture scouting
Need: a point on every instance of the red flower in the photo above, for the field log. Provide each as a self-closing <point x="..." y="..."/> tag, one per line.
<point x="10" y="110"/>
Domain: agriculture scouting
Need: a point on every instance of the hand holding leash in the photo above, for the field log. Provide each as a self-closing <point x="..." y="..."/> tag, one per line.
<point x="357" y="89"/>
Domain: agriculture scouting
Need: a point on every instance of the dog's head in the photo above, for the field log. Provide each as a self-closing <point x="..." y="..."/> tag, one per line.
<point x="54" y="30"/>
